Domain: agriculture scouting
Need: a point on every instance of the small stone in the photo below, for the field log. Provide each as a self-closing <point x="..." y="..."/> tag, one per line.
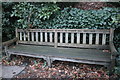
<point x="54" y="69"/>
<point x="66" y="72"/>
<point x="50" y="69"/>
<point x="75" y="72"/>
<point x="60" y="70"/>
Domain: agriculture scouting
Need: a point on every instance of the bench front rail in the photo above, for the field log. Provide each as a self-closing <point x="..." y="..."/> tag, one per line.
<point x="85" y="38"/>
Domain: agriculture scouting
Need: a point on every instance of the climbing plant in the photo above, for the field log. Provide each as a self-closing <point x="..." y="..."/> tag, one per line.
<point x="31" y="15"/>
<point x="93" y="19"/>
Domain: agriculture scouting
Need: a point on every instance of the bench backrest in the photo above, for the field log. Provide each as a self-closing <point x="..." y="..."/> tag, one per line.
<point x="83" y="38"/>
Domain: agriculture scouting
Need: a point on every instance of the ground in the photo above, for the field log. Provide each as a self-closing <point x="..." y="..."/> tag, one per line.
<point x="10" y="71"/>
<point x="37" y="68"/>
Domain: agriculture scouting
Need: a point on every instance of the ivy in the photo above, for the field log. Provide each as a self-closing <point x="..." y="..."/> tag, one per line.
<point x="32" y="16"/>
<point x="48" y="16"/>
<point x="93" y="19"/>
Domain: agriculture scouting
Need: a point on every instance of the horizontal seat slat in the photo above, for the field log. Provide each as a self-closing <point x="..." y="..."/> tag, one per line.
<point x="84" y="46"/>
<point x="36" y="43"/>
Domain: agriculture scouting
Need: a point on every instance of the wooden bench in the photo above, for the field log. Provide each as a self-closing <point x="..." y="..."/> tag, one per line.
<point x="91" y="46"/>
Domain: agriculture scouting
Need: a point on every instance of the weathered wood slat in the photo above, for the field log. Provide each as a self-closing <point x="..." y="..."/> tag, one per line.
<point x="61" y="37"/>
<point x="66" y="37"/>
<point x="84" y="46"/>
<point x="46" y="37"/>
<point x="112" y="47"/>
<point x="84" y="38"/>
<point x="97" y="39"/>
<point x="82" y="61"/>
<point x="27" y="54"/>
<point x="72" y="37"/>
<point x="111" y="35"/>
<point x="105" y="31"/>
<point x="84" y="31"/>
<point x="36" y="36"/>
<point x="37" y="43"/>
<point x="20" y="36"/>
<point x="56" y="40"/>
<point x="90" y="38"/>
<point x="78" y="38"/>
<point x="41" y="37"/>
<point x="24" y="36"/>
<point x="16" y="34"/>
<point x="32" y="36"/>
<point x="103" y="39"/>
<point x="28" y="36"/>
<point x="7" y="43"/>
<point x="51" y="38"/>
<point x="113" y="51"/>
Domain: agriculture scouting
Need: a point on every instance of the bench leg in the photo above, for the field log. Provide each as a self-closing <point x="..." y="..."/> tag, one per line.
<point x="7" y="54"/>
<point x="111" y="68"/>
<point x="49" y="61"/>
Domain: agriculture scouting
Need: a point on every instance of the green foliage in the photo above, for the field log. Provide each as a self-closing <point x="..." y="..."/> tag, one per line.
<point x="7" y="21"/>
<point x="48" y="16"/>
<point x="117" y="38"/>
<point x="118" y="60"/>
<point x="117" y="71"/>
<point x="119" y="49"/>
<point x="32" y="15"/>
<point x="92" y="19"/>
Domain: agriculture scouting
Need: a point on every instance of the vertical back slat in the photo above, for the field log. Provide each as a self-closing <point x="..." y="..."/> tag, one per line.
<point x="72" y="37"/>
<point x="28" y="36"/>
<point x="111" y="35"/>
<point x="24" y="36"/>
<point x="90" y="38"/>
<point x="97" y="38"/>
<point x="78" y="38"/>
<point x="61" y="37"/>
<point x="20" y="36"/>
<point x="32" y="36"/>
<point x="36" y="36"/>
<point x="45" y="36"/>
<point x="41" y="37"/>
<point x="103" y="39"/>
<point x="66" y="37"/>
<point x="84" y="38"/>
<point x="55" y="38"/>
<point x="16" y="33"/>
<point x="51" y="39"/>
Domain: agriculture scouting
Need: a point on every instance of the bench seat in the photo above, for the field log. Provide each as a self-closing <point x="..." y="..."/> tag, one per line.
<point x="92" y="56"/>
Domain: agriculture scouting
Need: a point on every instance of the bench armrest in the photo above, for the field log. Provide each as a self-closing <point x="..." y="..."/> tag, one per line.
<point x="112" y="49"/>
<point x="7" y="43"/>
